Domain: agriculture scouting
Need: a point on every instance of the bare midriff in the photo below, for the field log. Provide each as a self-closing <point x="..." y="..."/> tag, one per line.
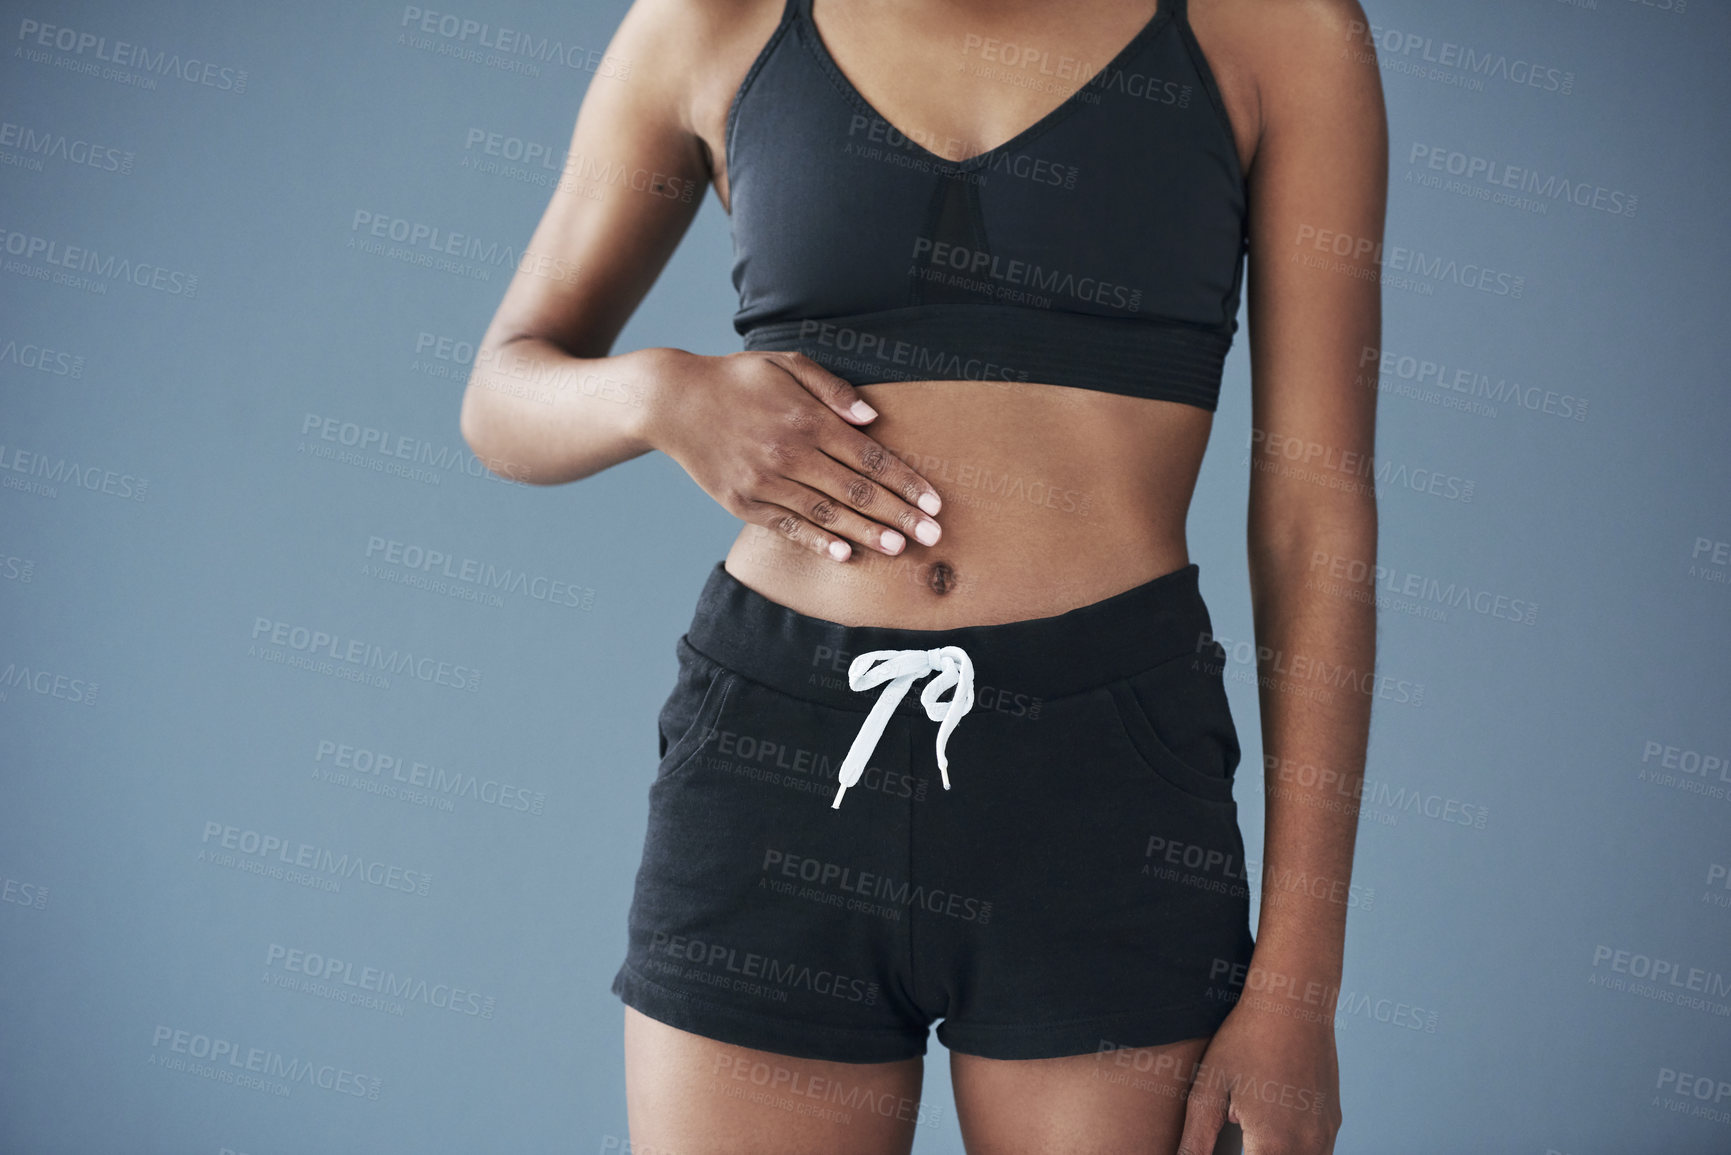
<point x="1053" y="498"/>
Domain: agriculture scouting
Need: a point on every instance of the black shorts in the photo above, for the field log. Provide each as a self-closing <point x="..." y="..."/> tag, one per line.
<point x="1080" y="886"/>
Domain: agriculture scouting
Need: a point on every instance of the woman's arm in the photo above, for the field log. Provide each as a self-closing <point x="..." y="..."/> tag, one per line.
<point x="545" y="403"/>
<point x="1315" y="317"/>
<point x="1318" y="189"/>
<point x="771" y="436"/>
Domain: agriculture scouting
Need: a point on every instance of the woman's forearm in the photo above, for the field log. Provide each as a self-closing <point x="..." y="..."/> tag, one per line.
<point x="1316" y="653"/>
<point x="534" y="413"/>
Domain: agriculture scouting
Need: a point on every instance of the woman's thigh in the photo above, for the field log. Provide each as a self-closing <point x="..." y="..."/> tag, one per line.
<point x="1130" y="1099"/>
<point x="691" y="1095"/>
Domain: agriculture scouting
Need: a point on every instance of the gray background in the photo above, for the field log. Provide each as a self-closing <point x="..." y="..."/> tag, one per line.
<point x="175" y="473"/>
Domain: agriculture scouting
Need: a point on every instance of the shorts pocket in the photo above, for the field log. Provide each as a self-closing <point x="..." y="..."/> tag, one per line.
<point x="687" y="720"/>
<point x="1176" y="716"/>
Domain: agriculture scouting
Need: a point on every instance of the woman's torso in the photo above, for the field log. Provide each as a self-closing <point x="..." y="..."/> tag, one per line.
<point x="1054" y="497"/>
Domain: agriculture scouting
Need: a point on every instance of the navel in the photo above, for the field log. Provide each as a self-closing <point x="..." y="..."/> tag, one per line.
<point x="942" y="577"/>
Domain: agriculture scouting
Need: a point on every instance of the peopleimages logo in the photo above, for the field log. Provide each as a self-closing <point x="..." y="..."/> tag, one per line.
<point x="882" y="133"/>
<point x="1698" y="1096"/>
<point x="32" y="471"/>
<point x="867" y="884"/>
<point x="268" y="853"/>
<point x="1427" y="56"/>
<point x="38" y="144"/>
<point x="1466" y="388"/>
<point x="103" y="266"/>
<point x="1002" y="273"/>
<point x="278" y="640"/>
<point x="749" y="965"/>
<point x="156" y="62"/>
<point x="47" y="683"/>
<point x="348" y="764"/>
<point x="510" y="44"/>
<point x="1662" y="972"/>
<point x="1499" y="174"/>
<point x="923" y="362"/>
<point x="324" y="968"/>
<point x="168" y="1045"/>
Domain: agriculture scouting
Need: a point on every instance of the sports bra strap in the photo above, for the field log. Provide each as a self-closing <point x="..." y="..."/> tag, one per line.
<point x="1177" y="8"/>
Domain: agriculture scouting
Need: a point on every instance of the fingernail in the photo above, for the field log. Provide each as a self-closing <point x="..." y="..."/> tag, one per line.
<point x="927" y="531"/>
<point x="839" y="550"/>
<point x="893" y="541"/>
<point x="862" y="411"/>
<point x="930" y="503"/>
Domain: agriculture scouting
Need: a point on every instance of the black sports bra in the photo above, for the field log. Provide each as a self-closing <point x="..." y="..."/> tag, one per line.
<point x="1102" y="247"/>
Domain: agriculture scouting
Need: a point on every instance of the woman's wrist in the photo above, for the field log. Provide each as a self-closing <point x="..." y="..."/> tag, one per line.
<point x="1296" y="981"/>
<point x="662" y="374"/>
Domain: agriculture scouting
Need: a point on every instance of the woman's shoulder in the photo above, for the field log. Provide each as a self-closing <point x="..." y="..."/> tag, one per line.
<point x="701" y="48"/>
<point x="697" y="38"/>
<point x="1265" y="54"/>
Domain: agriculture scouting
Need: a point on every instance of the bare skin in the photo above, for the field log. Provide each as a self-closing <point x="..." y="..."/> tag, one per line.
<point x="1101" y="483"/>
<point x="685" y="1093"/>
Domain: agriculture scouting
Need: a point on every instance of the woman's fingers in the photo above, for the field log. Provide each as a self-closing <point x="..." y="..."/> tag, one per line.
<point x="800" y="531"/>
<point x="833" y="391"/>
<point x="866" y="506"/>
<point x="823" y="523"/>
<point x="851" y="447"/>
<point x="772" y="437"/>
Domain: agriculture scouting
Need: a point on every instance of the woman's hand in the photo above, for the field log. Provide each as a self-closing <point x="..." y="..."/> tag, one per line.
<point x="1274" y="1074"/>
<point x="771" y="437"/>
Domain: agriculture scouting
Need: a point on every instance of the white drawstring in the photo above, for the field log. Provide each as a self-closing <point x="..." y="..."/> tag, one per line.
<point x="902" y="668"/>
